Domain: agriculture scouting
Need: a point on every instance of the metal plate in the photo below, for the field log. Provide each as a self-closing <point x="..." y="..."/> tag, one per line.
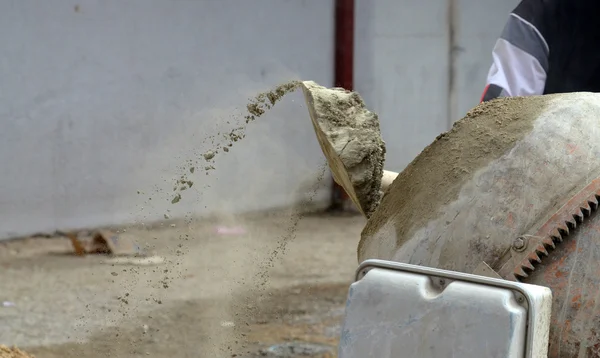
<point x="400" y="310"/>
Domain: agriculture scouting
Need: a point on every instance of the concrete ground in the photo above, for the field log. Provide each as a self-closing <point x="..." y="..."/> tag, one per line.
<point x="283" y="280"/>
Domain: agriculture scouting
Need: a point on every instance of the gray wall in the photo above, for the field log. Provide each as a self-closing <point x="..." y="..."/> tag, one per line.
<point x="478" y="25"/>
<point x="403" y="65"/>
<point x="105" y="98"/>
<point x="101" y="99"/>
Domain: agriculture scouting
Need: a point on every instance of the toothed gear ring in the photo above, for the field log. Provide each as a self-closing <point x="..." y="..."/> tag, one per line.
<point x="564" y="255"/>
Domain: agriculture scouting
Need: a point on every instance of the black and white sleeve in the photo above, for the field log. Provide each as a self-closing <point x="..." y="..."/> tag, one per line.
<point x="520" y="55"/>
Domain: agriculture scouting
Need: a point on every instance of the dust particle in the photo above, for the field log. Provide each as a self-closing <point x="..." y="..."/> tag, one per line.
<point x="209" y="155"/>
<point x="258" y="106"/>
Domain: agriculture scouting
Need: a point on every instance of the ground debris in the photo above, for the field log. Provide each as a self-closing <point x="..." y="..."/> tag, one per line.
<point x="295" y="349"/>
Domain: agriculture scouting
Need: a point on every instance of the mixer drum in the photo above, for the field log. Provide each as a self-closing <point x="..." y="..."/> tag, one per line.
<point x="512" y="187"/>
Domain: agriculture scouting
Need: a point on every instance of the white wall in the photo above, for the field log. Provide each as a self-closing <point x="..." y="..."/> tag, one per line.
<point x="403" y="65"/>
<point x="102" y="98"/>
<point x="401" y="71"/>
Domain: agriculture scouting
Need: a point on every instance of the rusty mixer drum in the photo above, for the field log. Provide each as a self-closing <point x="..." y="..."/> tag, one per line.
<point x="513" y="187"/>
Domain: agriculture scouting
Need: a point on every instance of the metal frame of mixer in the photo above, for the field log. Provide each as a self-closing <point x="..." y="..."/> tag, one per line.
<point x="442" y="278"/>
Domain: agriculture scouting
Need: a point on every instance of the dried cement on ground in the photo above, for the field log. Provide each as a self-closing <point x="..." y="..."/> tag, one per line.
<point x="351" y="140"/>
<point x="14" y="352"/>
<point x="486" y="133"/>
<point x="305" y="287"/>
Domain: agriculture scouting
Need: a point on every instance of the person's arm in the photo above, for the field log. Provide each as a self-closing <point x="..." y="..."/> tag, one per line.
<point x="520" y="56"/>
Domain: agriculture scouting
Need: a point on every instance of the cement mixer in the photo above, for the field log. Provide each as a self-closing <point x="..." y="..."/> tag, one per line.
<point x="504" y="202"/>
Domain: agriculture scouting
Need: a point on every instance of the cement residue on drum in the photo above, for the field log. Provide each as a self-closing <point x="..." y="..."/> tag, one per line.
<point x="435" y="176"/>
<point x="350" y="137"/>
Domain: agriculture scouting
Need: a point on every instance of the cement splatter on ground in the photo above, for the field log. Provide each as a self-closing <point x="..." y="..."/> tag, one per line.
<point x="97" y="315"/>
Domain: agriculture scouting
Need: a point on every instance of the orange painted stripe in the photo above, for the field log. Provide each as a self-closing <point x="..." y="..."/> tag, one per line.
<point x="484" y="91"/>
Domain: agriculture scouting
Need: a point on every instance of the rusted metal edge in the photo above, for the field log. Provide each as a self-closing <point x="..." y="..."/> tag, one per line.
<point x="552" y="233"/>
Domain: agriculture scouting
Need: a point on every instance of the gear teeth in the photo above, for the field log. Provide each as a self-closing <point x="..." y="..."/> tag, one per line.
<point x="541" y="249"/>
<point x="563" y="229"/>
<point x="528" y="265"/>
<point x="520" y="273"/>
<point x="586" y="209"/>
<point x="593" y="203"/>
<point x="571" y="222"/>
<point x="531" y="258"/>
<point x="578" y="216"/>
<point x="574" y="212"/>
<point x="556" y="235"/>
<point x="549" y="242"/>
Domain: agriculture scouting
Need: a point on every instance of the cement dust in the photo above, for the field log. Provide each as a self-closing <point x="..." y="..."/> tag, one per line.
<point x="256" y="107"/>
<point x="266" y="100"/>
<point x="440" y="170"/>
<point x="244" y="307"/>
<point x="14" y="352"/>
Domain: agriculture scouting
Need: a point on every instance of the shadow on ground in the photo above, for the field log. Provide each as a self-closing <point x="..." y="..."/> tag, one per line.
<point x="302" y="321"/>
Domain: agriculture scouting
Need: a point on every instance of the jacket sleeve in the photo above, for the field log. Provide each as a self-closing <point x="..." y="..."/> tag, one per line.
<point x="520" y="55"/>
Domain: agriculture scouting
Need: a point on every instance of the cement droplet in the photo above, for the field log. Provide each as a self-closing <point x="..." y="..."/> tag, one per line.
<point x="209" y="155"/>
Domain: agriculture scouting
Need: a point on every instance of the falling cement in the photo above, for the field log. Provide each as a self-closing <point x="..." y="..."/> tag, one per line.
<point x="266" y="100"/>
<point x="351" y="140"/>
<point x="257" y="107"/>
